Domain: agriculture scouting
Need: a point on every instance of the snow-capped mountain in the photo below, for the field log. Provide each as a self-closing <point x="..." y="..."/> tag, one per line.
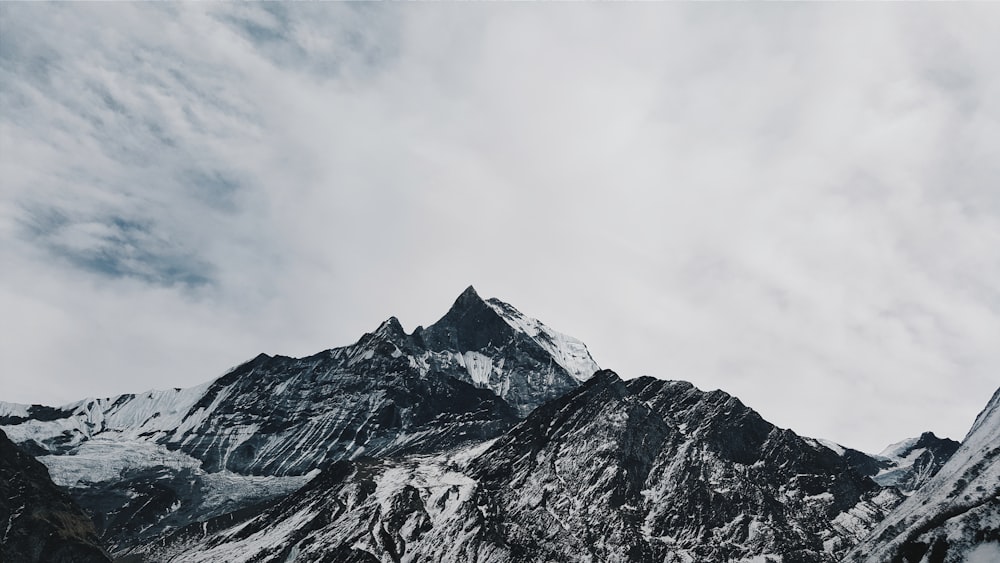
<point x="38" y="521"/>
<point x="492" y="345"/>
<point x="905" y="465"/>
<point x="909" y="464"/>
<point x="645" y="470"/>
<point x="159" y="460"/>
<point x="486" y="437"/>
<point x="955" y="516"/>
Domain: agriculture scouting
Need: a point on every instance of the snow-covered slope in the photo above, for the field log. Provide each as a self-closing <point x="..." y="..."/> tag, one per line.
<point x="422" y="504"/>
<point x="571" y="354"/>
<point x="128" y="417"/>
<point x="646" y="470"/>
<point x="906" y="465"/>
<point x="956" y="515"/>
<point x="154" y="461"/>
<point x="911" y="463"/>
<point x="492" y="345"/>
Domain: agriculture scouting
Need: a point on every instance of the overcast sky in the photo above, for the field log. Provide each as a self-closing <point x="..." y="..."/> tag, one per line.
<point x="798" y="204"/>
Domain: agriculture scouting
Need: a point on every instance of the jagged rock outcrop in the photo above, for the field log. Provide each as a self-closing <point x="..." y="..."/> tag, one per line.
<point x="644" y="470"/>
<point x="488" y="437"/>
<point x="910" y="464"/>
<point x="38" y="521"/>
<point x="147" y="463"/>
<point x="492" y="345"/>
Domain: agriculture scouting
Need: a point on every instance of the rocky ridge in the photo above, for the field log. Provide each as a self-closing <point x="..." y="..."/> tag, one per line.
<point x="644" y="470"/>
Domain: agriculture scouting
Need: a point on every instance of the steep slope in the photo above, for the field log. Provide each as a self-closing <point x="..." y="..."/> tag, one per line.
<point x="910" y="464"/>
<point x="646" y="470"/>
<point x="254" y="430"/>
<point x="956" y="515"/>
<point x="659" y="470"/>
<point x="418" y="508"/>
<point x="39" y="522"/>
<point x="492" y="345"/>
<point x="517" y="358"/>
<point x="143" y="464"/>
<point x="284" y="416"/>
<point x="906" y="465"/>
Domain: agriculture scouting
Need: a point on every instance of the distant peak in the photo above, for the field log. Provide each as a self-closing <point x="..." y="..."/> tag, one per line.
<point x="929" y="439"/>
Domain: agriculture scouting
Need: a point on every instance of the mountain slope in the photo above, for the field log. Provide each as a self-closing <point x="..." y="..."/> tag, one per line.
<point x="492" y="345"/>
<point x="644" y="470"/>
<point x="652" y="470"/>
<point x="38" y="521"/>
<point x="147" y="463"/>
<point x="956" y="515"/>
<point x="911" y="463"/>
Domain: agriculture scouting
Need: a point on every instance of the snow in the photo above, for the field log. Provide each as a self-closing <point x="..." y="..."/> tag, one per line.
<point x="14" y="409"/>
<point x="106" y="460"/>
<point x="985" y="553"/>
<point x="479" y="367"/>
<point x="895" y="451"/>
<point x="463" y="456"/>
<point x="764" y="558"/>
<point x="964" y="484"/>
<point x="247" y="549"/>
<point x="128" y="415"/>
<point x="832" y="445"/>
<point x="571" y="354"/>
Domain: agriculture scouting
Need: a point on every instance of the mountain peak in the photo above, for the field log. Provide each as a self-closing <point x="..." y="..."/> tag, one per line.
<point x="470" y="324"/>
<point x="390" y="326"/>
<point x="468" y="298"/>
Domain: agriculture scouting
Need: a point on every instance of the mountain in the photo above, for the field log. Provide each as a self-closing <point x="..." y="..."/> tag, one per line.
<point x="40" y="522"/>
<point x="955" y="516"/>
<point x="492" y="345"/>
<point x="486" y="437"/>
<point x="909" y="464"/>
<point x="644" y="470"/>
<point x="144" y="464"/>
<point x="906" y="465"/>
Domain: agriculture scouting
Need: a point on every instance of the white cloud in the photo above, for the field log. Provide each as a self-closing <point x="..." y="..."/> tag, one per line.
<point x="796" y="204"/>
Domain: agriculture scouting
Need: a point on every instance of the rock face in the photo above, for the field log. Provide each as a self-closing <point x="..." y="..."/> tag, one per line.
<point x="147" y="463"/>
<point x="909" y="464"/>
<point x="492" y="345"/>
<point x="644" y="470"/>
<point x="484" y="437"/>
<point x="652" y="470"/>
<point x="39" y="522"/>
<point x="955" y="516"/>
<point x="905" y="466"/>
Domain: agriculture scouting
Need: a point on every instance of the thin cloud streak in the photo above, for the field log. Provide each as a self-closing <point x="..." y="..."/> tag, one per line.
<point x="795" y="204"/>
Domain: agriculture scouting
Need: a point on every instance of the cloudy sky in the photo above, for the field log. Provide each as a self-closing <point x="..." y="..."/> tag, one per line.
<point x="798" y="204"/>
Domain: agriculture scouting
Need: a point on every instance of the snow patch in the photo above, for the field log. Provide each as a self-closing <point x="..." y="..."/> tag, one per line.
<point x="985" y="553"/>
<point x="479" y="367"/>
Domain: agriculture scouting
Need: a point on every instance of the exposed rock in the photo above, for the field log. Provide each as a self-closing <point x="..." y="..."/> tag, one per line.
<point x="39" y="522"/>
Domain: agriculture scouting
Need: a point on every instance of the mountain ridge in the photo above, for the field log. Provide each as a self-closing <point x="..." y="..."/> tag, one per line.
<point x="486" y="436"/>
<point x="261" y="429"/>
<point x="615" y="470"/>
